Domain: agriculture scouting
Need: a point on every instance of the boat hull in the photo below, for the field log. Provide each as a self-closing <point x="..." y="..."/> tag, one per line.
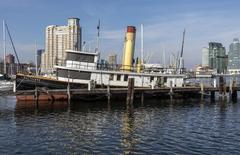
<point x="26" y="82"/>
<point x="45" y="97"/>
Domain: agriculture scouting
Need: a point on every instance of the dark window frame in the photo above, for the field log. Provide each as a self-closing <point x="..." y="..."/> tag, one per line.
<point x="125" y="78"/>
<point x="118" y="77"/>
<point x="111" y="77"/>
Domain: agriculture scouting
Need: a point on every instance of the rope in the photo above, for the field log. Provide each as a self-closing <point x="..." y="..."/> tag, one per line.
<point x="20" y="83"/>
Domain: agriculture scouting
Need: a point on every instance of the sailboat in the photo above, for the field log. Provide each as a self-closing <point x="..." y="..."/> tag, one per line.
<point x="5" y="81"/>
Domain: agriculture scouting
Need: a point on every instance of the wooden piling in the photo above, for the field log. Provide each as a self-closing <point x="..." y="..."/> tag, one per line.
<point x="234" y="91"/>
<point x="14" y="86"/>
<point x="212" y="95"/>
<point x="142" y="98"/>
<point x="68" y="92"/>
<point x="36" y="94"/>
<point x="202" y="88"/>
<point x="171" y="88"/>
<point x="130" y="92"/>
<point x="230" y="88"/>
<point x="68" y="88"/>
<point x="221" y="86"/>
<point x="202" y="91"/>
<point x="224" y="89"/>
<point x="108" y="94"/>
<point x="214" y="82"/>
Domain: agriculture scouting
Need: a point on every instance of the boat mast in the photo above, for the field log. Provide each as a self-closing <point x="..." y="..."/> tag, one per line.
<point x="36" y="58"/>
<point x="10" y="37"/>
<point x="142" y="52"/>
<point x="98" y="34"/>
<point x="4" y="49"/>
<point x="181" y="61"/>
<point x="142" y="44"/>
<point x="164" y="57"/>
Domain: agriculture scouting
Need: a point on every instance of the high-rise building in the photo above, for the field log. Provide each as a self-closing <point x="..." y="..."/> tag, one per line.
<point x="205" y="57"/>
<point x="112" y="59"/>
<point x="39" y="56"/>
<point x="234" y="57"/>
<point x="10" y="59"/>
<point x="217" y="57"/>
<point x="57" y="40"/>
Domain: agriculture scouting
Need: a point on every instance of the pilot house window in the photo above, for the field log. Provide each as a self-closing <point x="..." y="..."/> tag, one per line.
<point x="151" y="78"/>
<point x="111" y="77"/>
<point x="125" y="77"/>
<point x="118" y="77"/>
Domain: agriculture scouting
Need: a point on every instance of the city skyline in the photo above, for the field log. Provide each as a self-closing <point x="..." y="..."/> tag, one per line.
<point x="163" y="24"/>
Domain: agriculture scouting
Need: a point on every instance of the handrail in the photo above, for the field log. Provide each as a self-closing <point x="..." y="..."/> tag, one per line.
<point x="97" y="66"/>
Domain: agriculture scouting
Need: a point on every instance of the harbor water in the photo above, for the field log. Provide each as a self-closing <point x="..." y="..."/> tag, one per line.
<point x="191" y="126"/>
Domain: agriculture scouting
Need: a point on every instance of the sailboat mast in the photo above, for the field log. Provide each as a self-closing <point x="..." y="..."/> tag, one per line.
<point x="4" y="49"/>
<point x="98" y="42"/>
<point x="98" y="35"/>
<point x="164" y="57"/>
<point x="142" y="43"/>
<point x="36" y="58"/>
<point x="183" y="42"/>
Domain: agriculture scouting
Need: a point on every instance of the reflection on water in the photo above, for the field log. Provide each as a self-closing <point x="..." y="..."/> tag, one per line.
<point x="128" y="129"/>
<point x="153" y="127"/>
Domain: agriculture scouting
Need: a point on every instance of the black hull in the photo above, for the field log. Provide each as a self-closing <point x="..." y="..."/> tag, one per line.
<point x="26" y="82"/>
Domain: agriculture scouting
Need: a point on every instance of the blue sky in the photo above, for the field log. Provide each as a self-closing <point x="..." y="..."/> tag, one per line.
<point x="164" y="21"/>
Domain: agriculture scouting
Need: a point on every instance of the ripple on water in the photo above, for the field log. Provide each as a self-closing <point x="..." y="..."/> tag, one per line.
<point x="157" y="127"/>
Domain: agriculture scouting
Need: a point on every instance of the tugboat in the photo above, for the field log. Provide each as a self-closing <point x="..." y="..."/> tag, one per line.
<point x="81" y="69"/>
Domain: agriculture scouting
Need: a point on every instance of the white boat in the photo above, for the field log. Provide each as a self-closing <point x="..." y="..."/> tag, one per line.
<point x="5" y="84"/>
<point x="81" y="68"/>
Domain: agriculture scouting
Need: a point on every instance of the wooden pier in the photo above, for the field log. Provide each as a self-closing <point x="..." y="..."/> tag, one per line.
<point x="130" y="93"/>
<point x="122" y="93"/>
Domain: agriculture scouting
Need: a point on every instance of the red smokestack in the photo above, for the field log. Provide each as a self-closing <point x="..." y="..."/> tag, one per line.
<point x="131" y="29"/>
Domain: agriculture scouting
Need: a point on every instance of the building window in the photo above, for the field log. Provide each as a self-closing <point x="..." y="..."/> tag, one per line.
<point x="118" y="77"/>
<point x="164" y="79"/>
<point x="111" y="77"/>
<point x="125" y="77"/>
<point x="151" y="78"/>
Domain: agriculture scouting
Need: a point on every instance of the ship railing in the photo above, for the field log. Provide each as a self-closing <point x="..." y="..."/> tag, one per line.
<point x="110" y="67"/>
<point x="96" y="66"/>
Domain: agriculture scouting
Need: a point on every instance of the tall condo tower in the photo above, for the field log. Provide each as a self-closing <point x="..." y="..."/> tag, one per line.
<point x="129" y="46"/>
<point x="234" y="57"/>
<point x="205" y="57"/>
<point x="57" y="40"/>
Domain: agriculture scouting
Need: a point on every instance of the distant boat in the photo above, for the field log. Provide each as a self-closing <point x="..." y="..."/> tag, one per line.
<point x="5" y="83"/>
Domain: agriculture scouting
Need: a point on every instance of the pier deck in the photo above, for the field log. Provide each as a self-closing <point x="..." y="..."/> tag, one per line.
<point x="94" y="94"/>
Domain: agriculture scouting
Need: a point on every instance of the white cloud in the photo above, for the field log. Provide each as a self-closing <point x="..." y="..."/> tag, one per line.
<point x="201" y="28"/>
<point x="113" y="34"/>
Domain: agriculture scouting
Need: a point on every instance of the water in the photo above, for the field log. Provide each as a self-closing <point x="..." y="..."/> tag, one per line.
<point x="155" y="127"/>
